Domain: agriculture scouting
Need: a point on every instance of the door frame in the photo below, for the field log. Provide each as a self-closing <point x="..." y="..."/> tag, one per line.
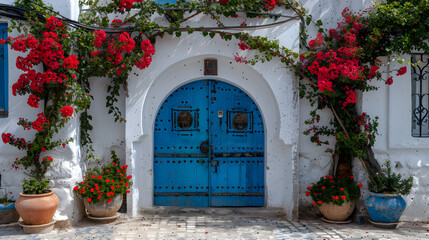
<point x="281" y="133"/>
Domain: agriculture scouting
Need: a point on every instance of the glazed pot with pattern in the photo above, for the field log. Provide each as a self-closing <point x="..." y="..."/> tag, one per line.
<point x="385" y="208"/>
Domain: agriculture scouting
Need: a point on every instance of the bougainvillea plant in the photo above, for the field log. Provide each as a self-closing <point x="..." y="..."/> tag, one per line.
<point x="46" y="49"/>
<point x="336" y="190"/>
<point x="105" y="184"/>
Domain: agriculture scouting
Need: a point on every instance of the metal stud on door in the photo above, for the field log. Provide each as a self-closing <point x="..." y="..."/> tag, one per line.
<point x="209" y="148"/>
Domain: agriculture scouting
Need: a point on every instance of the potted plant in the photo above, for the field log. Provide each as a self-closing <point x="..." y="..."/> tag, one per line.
<point x="37" y="203"/>
<point x="102" y="190"/>
<point x="385" y="204"/>
<point x="8" y="213"/>
<point x="335" y="196"/>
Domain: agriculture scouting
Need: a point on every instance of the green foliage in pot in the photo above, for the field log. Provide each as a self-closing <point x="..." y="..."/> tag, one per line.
<point x="390" y="183"/>
<point x="5" y="200"/>
<point x="104" y="184"/>
<point x="337" y="190"/>
<point x="34" y="186"/>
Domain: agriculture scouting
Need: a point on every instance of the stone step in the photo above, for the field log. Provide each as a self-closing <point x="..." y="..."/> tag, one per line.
<point x="224" y="211"/>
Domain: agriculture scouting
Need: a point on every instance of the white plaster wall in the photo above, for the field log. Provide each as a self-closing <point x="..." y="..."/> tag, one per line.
<point x="66" y="167"/>
<point x="179" y="61"/>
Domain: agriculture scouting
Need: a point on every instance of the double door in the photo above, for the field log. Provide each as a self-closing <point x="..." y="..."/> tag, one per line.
<point x="209" y="148"/>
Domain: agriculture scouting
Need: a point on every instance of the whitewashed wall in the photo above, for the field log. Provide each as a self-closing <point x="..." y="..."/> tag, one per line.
<point x="293" y="162"/>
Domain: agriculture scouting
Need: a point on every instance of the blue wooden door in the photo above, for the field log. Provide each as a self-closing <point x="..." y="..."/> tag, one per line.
<point x="209" y="148"/>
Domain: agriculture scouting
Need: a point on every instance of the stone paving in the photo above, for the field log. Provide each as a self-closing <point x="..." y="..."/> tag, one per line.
<point x="197" y="226"/>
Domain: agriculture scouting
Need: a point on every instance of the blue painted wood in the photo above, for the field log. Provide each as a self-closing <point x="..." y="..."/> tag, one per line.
<point x="3" y="69"/>
<point x="177" y="174"/>
<point x="183" y="174"/>
<point x="166" y="1"/>
<point x="240" y="175"/>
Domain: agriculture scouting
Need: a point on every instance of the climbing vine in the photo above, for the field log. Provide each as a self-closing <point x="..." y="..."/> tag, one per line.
<point x="337" y="64"/>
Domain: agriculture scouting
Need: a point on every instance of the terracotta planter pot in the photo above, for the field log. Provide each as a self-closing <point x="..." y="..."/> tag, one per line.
<point x="103" y="208"/>
<point x="37" y="209"/>
<point x="337" y="213"/>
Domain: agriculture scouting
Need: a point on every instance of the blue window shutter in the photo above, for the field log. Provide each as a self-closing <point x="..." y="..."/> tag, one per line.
<point x="166" y="1"/>
<point x="4" y="77"/>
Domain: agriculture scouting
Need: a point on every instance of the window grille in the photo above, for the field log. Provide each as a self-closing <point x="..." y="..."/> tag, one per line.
<point x="419" y="95"/>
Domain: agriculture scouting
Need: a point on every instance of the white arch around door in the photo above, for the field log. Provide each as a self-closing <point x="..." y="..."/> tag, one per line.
<point x="148" y="93"/>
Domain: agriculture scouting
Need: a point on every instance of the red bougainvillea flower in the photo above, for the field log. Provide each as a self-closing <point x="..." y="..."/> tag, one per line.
<point x="343" y="197"/>
<point x="66" y="111"/>
<point x="19" y="45"/>
<point x="33" y="101"/>
<point x="243" y="46"/>
<point x="360" y="185"/>
<point x="271" y="4"/>
<point x="6" y="137"/>
<point x="89" y="199"/>
<point x="126" y="3"/>
<point x="2" y="41"/>
<point x="147" y="47"/>
<point x="116" y="21"/>
<point x="119" y="71"/>
<point x="401" y="71"/>
<point x="389" y="81"/>
<point x="100" y="36"/>
<point x="314" y="203"/>
<point x="318" y="41"/>
<point x="53" y="23"/>
<point x="70" y="62"/>
<point x="129" y="43"/>
<point x="309" y="188"/>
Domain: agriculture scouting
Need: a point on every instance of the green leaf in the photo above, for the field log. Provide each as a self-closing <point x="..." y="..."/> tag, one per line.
<point x="319" y="23"/>
<point x="205" y="33"/>
<point x="212" y="34"/>
<point x="308" y="19"/>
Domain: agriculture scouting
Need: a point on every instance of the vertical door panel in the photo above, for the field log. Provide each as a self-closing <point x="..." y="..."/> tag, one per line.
<point x="180" y="167"/>
<point x="237" y="135"/>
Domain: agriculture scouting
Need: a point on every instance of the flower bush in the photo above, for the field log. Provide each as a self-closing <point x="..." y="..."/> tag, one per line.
<point x="337" y="67"/>
<point x="334" y="190"/>
<point x="105" y="184"/>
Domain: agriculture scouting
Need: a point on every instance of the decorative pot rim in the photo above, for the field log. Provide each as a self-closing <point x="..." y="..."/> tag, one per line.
<point x="85" y="199"/>
<point x="51" y="191"/>
<point x="384" y="195"/>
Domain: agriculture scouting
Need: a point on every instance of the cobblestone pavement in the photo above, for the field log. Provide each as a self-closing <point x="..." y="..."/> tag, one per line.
<point x="194" y="226"/>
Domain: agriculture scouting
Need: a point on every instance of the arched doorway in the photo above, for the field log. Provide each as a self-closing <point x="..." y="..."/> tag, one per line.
<point x="209" y="148"/>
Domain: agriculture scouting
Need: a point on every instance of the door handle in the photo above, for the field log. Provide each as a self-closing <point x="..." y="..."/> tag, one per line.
<point x="204" y="147"/>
